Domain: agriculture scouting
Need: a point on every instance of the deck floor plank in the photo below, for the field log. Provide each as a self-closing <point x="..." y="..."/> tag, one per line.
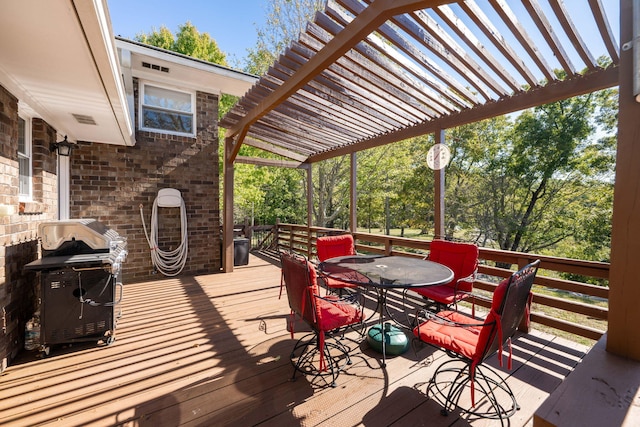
<point x="214" y="350"/>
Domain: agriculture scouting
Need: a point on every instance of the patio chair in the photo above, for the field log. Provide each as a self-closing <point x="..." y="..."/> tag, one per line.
<point x="462" y="258"/>
<point x="334" y="246"/>
<point x="471" y="341"/>
<point x="319" y="353"/>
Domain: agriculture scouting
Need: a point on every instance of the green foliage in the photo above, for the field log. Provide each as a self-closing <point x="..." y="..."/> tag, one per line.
<point x="263" y="195"/>
<point x="543" y="179"/>
<point x="188" y="41"/>
<point x="285" y="20"/>
<point x="269" y="194"/>
<point x="531" y="182"/>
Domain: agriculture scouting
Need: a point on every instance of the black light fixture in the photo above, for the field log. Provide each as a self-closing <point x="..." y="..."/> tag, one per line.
<point x="63" y="147"/>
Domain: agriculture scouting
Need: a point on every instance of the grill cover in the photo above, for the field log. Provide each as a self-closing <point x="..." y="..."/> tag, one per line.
<point x="95" y="235"/>
<point x="79" y="243"/>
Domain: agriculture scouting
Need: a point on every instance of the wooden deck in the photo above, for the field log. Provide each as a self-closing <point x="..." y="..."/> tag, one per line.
<point x="213" y="350"/>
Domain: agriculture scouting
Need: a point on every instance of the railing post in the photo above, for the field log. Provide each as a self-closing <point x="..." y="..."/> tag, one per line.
<point x="247" y="228"/>
<point x="525" y="323"/>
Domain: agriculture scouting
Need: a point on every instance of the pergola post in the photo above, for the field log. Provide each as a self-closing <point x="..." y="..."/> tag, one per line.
<point x="624" y="283"/>
<point x="227" y="230"/>
<point x="438" y="196"/>
<point x="353" y="203"/>
<point x="308" y="169"/>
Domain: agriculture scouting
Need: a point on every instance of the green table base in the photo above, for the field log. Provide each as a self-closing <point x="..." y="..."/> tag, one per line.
<point x="395" y="341"/>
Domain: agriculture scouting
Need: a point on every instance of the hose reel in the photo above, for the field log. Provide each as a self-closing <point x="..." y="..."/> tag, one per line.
<point x="169" y="263"/>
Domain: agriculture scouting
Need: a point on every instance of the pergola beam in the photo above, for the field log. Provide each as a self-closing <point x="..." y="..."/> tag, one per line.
<point x="602" y="79"/>
<point x="275" y="149"/>
<point x="260" y="161"/>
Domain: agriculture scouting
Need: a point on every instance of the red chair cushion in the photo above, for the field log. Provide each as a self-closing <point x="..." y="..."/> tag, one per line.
<point x="335" y="315"/>
<point x="462" y="258"/>
<point x="469" y="341"/>
<point x="498" y="294"/>
<point x="335" y="283"/>
<point x="487" y="335"/>
<point x="460" y="340"/>
<point x="443" y="294"/>
<point x="333" y="246"/>
<point x="329" y="314"/>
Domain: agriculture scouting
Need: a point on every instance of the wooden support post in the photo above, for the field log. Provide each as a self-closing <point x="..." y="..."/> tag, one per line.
<point x="624" y="293"/>
<point x="227" y="238"/>
<point x="308" y="168"/>
<point x="353" y="200"/>
<point x="438" y="198"/>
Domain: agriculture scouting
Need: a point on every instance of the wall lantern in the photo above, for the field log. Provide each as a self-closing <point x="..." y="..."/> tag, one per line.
<point x="63" y="147"/>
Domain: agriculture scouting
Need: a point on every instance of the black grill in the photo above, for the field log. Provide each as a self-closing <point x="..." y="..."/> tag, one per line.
<point x="80" y="279"/>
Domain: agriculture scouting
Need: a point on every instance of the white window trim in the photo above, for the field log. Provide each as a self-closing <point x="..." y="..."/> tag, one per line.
<point x="191" y="93"/>
<point x="28" y="145"/>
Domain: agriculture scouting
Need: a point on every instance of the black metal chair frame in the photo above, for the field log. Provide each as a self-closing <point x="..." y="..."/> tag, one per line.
<point x="492" y="386"/>
<point x="306" y="350"/>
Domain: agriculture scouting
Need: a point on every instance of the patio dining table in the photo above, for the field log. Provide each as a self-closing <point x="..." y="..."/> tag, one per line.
<point x="383" y="273"/>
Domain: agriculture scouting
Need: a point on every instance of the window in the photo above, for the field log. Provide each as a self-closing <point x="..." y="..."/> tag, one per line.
<point x="24" y="159"/>
<point x="167" y="110"/>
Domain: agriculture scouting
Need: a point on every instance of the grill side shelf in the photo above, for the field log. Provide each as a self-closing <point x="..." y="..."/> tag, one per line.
<point x="82" y="260"/>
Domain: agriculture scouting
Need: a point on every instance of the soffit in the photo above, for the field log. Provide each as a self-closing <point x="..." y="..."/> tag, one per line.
<point x="163" y="66"/>
<point x="58" y="58"/>
<point x="369" y="73"/>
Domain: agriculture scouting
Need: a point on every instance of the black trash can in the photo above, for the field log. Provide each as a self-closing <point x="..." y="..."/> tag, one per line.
<point x="240" y="251"/>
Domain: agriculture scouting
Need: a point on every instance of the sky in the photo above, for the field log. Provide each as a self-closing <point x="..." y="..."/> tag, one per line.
<point x="232" y="24"/>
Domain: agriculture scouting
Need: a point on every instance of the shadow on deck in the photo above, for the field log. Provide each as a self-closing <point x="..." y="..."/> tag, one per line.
<point x="214" y="350"/>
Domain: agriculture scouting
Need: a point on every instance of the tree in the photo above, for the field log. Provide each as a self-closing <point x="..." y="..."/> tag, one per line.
<point x="475" y="148"/>
<point x="188" y="41"/>
<point x="285" y="20"/>
<point x="331" y="192"/>
<point x="528" y="186"/>
<point x="267" y="194"/>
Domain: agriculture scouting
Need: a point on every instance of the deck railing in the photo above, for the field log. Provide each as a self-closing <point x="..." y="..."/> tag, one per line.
<point x="566" y="305"/>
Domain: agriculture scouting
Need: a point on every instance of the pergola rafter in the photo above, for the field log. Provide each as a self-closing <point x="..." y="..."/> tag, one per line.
<point x="367" y="72"/>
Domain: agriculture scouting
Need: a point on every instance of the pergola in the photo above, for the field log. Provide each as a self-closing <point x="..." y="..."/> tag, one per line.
<point x="371" y="72"/>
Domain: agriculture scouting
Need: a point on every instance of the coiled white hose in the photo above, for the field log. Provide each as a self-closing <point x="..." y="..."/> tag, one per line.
<point x="169" y="263"/>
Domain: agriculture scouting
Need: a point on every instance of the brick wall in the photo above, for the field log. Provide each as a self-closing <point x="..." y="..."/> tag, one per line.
<point x="18" y="231"/>
<point x="109" y="183"/>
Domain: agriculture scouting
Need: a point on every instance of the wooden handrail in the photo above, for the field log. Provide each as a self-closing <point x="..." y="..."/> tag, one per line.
<point x="552" y="311"/>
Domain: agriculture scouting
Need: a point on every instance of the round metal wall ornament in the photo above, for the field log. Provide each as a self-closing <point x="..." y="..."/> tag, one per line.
<point x="438" y="156"/>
